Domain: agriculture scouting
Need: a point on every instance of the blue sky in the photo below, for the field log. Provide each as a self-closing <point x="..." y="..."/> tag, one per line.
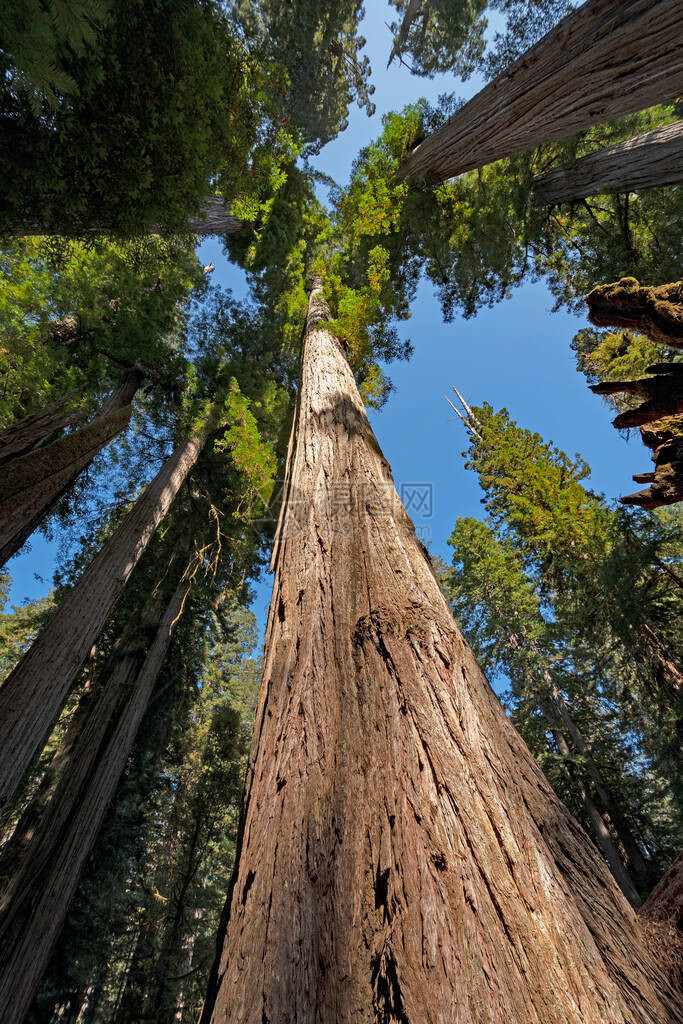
<point x="515" y="355"/>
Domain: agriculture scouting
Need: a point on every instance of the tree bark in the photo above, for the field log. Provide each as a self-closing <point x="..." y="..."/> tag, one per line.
<point x="608" y="58"/>
<point x="653" y="310"/>
<point x="402" y="856"/>
<point x="32" y="430"/>
<point x="665" y="438"/>
<point x="213" y="219"/>
<point x="646" y="161"/>
<point x="31" y="485"/>
<point x="663" y="917"/>
<point x="35" y="902"/>
<point x="33" y="693"/>
<point x="663" y="394"/>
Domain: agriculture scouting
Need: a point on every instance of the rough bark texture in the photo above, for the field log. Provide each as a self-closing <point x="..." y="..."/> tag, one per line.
<point x="25" y="434"/>
<point x="655" y="158"/>
<point x="31" y="485"/>
<point x="36" y="898"/>
<point x="656" y="311"/>
<point x="215" y="219"/>
<point x="33" y="693"/>
<point x="608" y="58"/>
<point x="403" y="858"/>
<point x="663" y="394"/>
<point x="663" y="917"/>
<point x="665" y="438"/>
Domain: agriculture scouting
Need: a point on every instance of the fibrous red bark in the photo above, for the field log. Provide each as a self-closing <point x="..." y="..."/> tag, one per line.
<point x="33" y="693"/>
<point x="35" y="894"/>
<point x="646" y="161"/>
<point x="32" y="430"/>
<point x="32" y="484"/>
<point x="402" y="858"/>
<point x="608" y="58"/>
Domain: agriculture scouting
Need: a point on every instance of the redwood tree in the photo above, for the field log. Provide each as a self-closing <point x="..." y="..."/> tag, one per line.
<point x="32" y="695"/>
<point x="402" y="856"/>
<point x="32" y="485"/>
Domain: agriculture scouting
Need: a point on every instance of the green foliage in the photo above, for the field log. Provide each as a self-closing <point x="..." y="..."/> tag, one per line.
<point x="318" y="45"/>
<point x="167" y="105"/>
<point x="439" y="35"/>
<point x="617" y="355"/>
<point x="608" y="574"/>
<point x="449" y="35"/>
<point x="519" y="634"/>
<point x="34" y="38"/>
<point x="254" y="459"/>
<point x="73" y="313"/>
<point x="19" y="625"/>
<point x="480" y="235"/>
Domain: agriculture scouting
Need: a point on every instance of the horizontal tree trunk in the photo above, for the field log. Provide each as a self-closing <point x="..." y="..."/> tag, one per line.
<point x="649" y="160"/>
<point x="35" y="903"/>
<point x="608" y="58"/>
<point x="402" y="857"/>
<point x="33" y="693"/>
<point x="655" y="310"/>
<point x="663" y="394"/>
<point x="214" y="219"/>
<point x="665" y="438"/>
<point x="31" y="485"/>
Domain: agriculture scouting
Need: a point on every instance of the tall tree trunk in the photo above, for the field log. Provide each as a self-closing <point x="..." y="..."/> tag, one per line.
<point x="551" y="713"/>
<point x="32" y="430"/>
<point x="655" y="158"/>
<point x="213" y="219"/>
<point x="35" y="903"/>
<point x="31" y="485"/>
<point x="553" y="707"/>
<point x="33" y="693"/>
<point x="608" y="58"/>
<point x="402" y="857"/>
<point x="641" y="869"/>
<point x="413" y="9"/>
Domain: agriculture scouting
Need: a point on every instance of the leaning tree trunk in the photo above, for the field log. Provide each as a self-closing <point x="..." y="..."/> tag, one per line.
<point x="552" y="705"/>
<point x="36" y="898"/>
<point x="608" y="58"/>
<point x="33" y="693"/>
<point x="551" y="713"/>
<point x="31" y="485"/>
<point x="649" y="160"/>
<point x="27" y="433"/>
<point x="402" y="857"/>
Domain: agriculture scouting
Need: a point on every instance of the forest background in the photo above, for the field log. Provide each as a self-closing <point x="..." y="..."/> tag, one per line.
<point x="515" y="354"/>
<point x="586" y="607"/>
